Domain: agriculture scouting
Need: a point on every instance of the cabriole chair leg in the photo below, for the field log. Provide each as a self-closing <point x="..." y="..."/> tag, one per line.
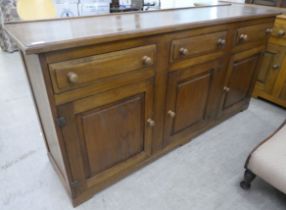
<point x="248" y="178"/>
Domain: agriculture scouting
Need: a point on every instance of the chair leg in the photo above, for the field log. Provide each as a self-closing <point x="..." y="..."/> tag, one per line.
<point x="248" y="178"/>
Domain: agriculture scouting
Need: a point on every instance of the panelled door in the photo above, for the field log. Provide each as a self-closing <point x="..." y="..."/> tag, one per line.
<point x="108" y="133"/>
<point x="270" y="68"/>
<point x="193" y="99"/>
<point x="242" y="72"/>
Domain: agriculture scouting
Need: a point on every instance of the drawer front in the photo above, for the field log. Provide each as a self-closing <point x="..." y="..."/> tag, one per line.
<point x="253" y="34"/>
<point x="80" y="72"/>
<point x="198" y="45"/>
<point x="279" y="30"/>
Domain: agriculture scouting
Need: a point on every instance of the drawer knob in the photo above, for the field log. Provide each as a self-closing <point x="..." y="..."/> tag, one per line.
<point x="184" y="51"/>
<point x="281" y="33"/>
<point x="226" y="89"/>
<point x="171" y="113"/>
<point x="276" y="66"/>
<point x="72" y="77"/>
<point x="151" y="122"/>
<point x="147" y="61"/>
<point x="243" y="37"/>
<point x="269" y="30"/>
<point x="221" y="42"/>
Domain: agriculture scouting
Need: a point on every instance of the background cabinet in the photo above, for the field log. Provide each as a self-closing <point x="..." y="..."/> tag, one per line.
<point x="271" y="82"/>
<point x="269" y="71"/>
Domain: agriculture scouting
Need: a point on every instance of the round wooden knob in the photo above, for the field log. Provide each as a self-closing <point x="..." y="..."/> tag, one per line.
<point x="184" y="51"/>
<point x="281" y="33"/>
<point x="221" y="42"/>
<point x="268" y="30"/>
<point x="276" y="66"/>
<point x="151" y="122"/>
<point x="171" y="113"/>
<point x="147" y="61"/>
<point x="243" y="37"/>
<point x="72" y="77"/>
<point x="226" y="89"/>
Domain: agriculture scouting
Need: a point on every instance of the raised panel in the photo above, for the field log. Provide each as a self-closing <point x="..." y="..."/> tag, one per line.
<point x="113" y="134"/>
<point x="108" y="134"/>
<point x="191" y="101"/>
<point x="193" y="98"/>
<point x="240" y="80"/>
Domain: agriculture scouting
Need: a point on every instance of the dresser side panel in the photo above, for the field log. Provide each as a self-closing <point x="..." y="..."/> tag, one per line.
<point x="43" y="108"/>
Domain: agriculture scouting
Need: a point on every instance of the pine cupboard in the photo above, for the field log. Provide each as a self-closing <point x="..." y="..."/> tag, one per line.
<point x="112" y="99"/>
<point x="271" y="81"/>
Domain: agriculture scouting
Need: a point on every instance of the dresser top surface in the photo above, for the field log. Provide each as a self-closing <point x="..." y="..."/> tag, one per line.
<point x="48" y="35"/>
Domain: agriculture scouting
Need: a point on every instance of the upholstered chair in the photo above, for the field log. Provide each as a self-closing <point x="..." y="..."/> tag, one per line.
<point x="268" y="161"/>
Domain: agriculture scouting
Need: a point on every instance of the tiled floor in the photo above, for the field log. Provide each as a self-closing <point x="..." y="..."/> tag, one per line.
<point x="202" y="175"/>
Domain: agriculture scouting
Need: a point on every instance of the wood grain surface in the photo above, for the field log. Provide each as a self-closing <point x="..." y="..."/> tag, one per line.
<point x="48" y="35"/>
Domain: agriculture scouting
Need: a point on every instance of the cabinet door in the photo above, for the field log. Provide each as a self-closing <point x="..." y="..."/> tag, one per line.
<point x="192" y="99"/>
<point x="282" y="95"/>
<point x="280" y="86"/>
<point x="108" y="133"/>
<point x="270" y="67"/>
<point x="241" y="77"/>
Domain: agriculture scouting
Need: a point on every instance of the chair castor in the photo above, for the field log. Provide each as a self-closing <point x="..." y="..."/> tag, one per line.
<point x="248" y="178"/>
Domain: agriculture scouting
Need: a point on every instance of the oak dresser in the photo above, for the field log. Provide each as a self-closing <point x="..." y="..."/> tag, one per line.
<point x="115" y="92"/>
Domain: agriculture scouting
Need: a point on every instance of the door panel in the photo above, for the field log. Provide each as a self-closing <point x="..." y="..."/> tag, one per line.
<point x="191" y="95"/>
<point x="283" y="92"/>
<point x="240" y="80"/>
<point x="114" y="133"/>
<point x="109" y="131"/>
<point x="193" y="99"/>
<point x="268" y="58"/>
<point x="242" y="72"/>
<point x="270" y="68"/>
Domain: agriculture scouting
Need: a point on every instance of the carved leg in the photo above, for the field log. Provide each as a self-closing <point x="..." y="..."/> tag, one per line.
<point x="248" y="178"/>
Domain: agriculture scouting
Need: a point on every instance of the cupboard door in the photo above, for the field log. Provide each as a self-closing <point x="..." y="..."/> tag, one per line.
<point x="282" y="94"/>
<point x="280" y="86"/>
<point x="242" y="72"/>
<point x="192" y="99"/>
<point x="270" y="68"/>
<point x="109" y="132"/>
